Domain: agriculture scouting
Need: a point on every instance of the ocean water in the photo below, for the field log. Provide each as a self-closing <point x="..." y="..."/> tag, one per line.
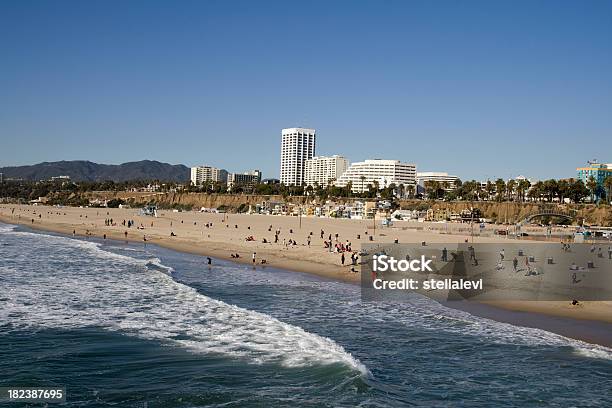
<point x="125" y="325"/>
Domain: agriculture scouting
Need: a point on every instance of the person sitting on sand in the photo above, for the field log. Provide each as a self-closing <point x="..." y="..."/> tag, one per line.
<point x="575" y="303"/>
<point x="172" y="234"/>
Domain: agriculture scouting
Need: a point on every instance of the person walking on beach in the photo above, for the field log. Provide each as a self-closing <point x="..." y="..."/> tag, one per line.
<point x="208" y="261"/>
<point x="342" y="258"/>
<point x="309" y="240"/>
<point x="515" y="263"/>
<point x="610" y="252"/>
<point x="254" y="256"/>
<point x="529" y="272"/>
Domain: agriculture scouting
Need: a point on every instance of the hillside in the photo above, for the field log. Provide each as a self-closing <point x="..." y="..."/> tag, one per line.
<point x="80" y="170"/>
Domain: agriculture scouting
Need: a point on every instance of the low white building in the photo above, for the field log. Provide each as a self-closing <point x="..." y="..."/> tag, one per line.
<point x="247" y="179"/>
<point x="323" y="169"/>
<point x="203" y="174"/>
<point x="440" y="177"/>
<point x="377" y="171"/>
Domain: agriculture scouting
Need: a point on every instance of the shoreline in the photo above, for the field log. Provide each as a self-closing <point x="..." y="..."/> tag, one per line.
<point x="590" y="323"/>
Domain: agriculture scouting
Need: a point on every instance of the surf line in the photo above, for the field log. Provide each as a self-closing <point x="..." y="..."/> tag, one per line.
<point x="429" y="284"/>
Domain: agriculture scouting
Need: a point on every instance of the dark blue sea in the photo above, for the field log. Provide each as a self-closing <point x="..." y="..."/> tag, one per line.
<point x="124" y="325"/>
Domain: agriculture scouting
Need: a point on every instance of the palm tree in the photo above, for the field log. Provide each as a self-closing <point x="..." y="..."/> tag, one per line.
<point x="562" y="189"/>
<point x="608" y="185"/>
<point x="523" y="186"/>
<point x="401" y="189"/>
<point x="411" y="191"/>
<point x="362" y="178"/>
<point x="592" y="186"/>
<point x="429" y="187"/>
<point x="511" y="186"/>
<point x="500" y="186"/>
<point x="489" y="189"/>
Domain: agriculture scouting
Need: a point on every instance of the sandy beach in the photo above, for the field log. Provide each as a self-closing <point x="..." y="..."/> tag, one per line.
<point x="221" y="235"/>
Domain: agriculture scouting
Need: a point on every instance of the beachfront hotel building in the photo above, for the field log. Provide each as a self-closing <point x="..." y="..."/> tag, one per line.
<point x="247" y="179"/>
<point x="599" y="172"/>
<point x="440" y="177"/>
<point x="383" y="172"/>
<point x="205" y="174"/>
<point x="323" y="169"/>
<point x="297" y="146"/>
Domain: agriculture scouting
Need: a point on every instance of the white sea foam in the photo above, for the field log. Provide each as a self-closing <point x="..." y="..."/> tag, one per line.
<point x="430" y="315"/>
<point x="144" y="301"/>
<point x="156" y="263"/>
<point x="139" y="298"/>
<point x="6" y="228"/>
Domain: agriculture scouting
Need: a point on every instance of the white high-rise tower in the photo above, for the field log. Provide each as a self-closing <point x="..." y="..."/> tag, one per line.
<point x="297" y="146"/>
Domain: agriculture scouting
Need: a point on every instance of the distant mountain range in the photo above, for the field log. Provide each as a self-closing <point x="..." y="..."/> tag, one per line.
<point x="81" y="170"/>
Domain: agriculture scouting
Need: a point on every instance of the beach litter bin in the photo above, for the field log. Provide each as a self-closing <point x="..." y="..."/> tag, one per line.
<point x="521" y="253"/>
<point x="531" y="258"/>
<point x="591" y="265"/>
<point x="371" y="238"/>
<point x="395" y="241"/>
<point x="358" y="236"/>
<point x="549" y="261"/>
<point x="423" y="243"/>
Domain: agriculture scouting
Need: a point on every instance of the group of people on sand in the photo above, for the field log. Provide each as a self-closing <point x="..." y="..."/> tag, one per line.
<point x="332" y="243"/>
<point x="600" y="251"/>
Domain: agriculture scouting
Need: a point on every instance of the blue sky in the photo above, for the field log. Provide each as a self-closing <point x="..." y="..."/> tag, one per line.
<point x="476" y="88"/>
